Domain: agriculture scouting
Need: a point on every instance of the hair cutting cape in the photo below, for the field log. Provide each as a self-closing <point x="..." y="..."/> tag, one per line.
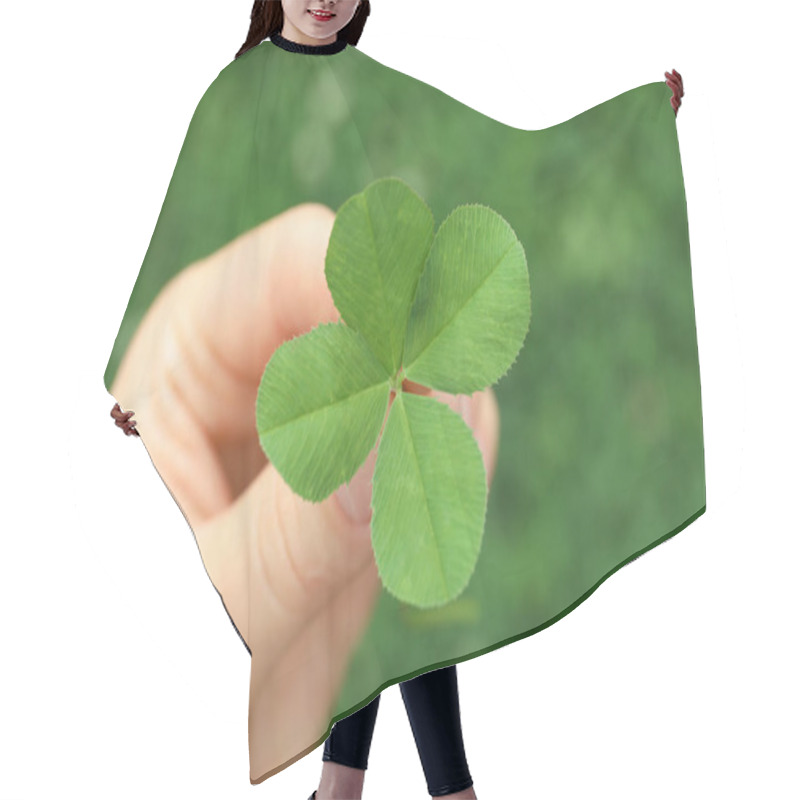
<point x="600" y="453"/>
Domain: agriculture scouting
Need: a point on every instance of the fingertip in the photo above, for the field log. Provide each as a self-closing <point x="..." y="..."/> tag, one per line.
<point x="487" y="427"/>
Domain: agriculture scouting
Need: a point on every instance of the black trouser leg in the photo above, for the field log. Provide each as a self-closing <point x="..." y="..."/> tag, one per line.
<point x="431" y="701"/>
<point x="351" y="737"/>
<point x="433" y="710"/>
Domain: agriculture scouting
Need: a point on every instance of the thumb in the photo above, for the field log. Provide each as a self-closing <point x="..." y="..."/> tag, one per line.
<point x="478" y="411"/>
<point x="355" y="497"/>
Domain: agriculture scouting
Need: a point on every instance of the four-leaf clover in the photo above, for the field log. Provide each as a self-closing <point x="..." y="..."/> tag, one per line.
<point x="449" y="312"/>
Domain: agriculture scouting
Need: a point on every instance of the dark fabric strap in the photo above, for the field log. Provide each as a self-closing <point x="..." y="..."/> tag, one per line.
<point x="311" y="49"/>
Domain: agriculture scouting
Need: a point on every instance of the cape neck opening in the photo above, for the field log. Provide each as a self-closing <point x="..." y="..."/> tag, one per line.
<point x="310" y="49"/>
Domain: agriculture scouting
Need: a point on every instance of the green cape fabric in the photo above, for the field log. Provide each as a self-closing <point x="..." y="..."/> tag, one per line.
<point x="601" y="446"/>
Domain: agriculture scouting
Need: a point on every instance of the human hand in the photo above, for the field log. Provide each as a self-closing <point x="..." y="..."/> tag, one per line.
<point x="675" y="82"/>
<point x="298" y="579"/>
<point x="122" y="419"/>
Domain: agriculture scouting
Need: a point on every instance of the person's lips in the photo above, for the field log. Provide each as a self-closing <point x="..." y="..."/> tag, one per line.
<point x="322" y="15"/>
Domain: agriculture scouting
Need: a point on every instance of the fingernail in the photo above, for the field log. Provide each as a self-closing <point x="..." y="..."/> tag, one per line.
<point x="355" y="498"/>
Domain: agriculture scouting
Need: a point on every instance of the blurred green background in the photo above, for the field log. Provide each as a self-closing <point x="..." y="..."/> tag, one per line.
<point x="601" y="450"/>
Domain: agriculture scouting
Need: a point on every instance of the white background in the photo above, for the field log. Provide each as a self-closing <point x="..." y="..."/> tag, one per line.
<point x="120" y="673"/>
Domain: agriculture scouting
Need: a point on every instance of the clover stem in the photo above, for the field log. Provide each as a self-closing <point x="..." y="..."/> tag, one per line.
<point x="397" y="381"/>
